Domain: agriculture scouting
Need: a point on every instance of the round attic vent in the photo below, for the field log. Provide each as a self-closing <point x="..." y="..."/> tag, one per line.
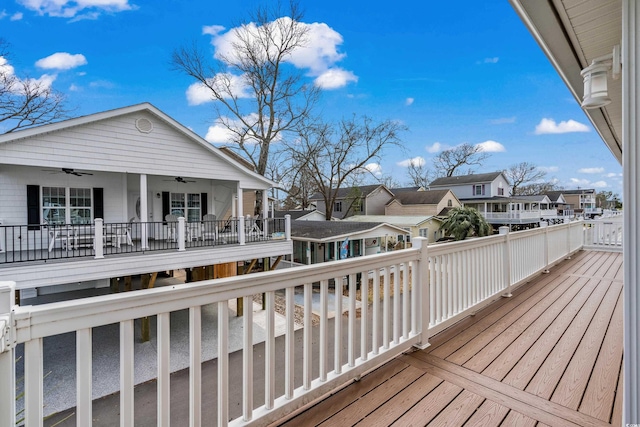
<point x="144" y="125"/>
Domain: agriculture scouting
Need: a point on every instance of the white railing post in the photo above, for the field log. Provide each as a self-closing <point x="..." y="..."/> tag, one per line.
<point x="506" y="259"/>
<point x="241" y="230"/>
<point x="181" y="234"/>
<point x="566" y="221"/>
<point x="7" y="356"/>
<point x="98" y="244"/>
<point x="546" y="247"/>
<point x="421" y="292"/>
<point x="287" y="227"/>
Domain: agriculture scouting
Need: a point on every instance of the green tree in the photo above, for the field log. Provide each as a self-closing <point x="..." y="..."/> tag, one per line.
<point x="465" y="222"/>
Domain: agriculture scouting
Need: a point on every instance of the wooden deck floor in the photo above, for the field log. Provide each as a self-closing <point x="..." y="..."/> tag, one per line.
<point x="549" y="356"/>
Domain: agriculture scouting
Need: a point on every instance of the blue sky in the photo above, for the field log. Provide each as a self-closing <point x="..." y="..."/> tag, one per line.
<point x="452" y="72"/>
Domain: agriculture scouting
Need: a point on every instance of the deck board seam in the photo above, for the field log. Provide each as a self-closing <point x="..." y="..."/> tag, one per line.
<point x="517" y="400"/>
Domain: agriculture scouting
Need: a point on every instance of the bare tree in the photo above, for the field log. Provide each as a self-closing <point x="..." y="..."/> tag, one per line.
<point x="258" y="95"/>
<point x="389" y="181"/>
<point x="449" y="162"/>
<point x="335" y="155"/>
<point x="538" y="188"/>
<point x="419" y="174"/>
<point x="26" y="102"/>
<point x="522" y="174"/>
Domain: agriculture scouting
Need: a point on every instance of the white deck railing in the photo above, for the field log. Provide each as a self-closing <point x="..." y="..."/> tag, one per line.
<point x="448" y="282"/>
<point x="604" y="234"/>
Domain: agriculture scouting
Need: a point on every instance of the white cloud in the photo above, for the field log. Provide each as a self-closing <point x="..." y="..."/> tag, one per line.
<point x="591" y="170"/>
<point x="417" y="161"/>
<point x="585" y="183"/>
<point x="16" y="16"/>
<point x="198" y="93"/>
<point x="613" y="175"/>
<point x="548" y="169"/>
<point x="44" y="82"/>
<point x="491" y="147"/>
<point x="550" y="126"/>
<point x="503" y="120"/>
<point x="408" y="101"/>
<point x="374" y="168"/>
<point x="72" y="8"/>
<point x="219" y="132"/>
<point x="3" y="14"/>
<point x="61" y="61"/>
<point x="74" y="88"/>
<point x="492" y="60"/>
<point x="5" y="67"/>
<point x="335" y="78"/>
<point x="599" y="184"/>
<point x="435" y="147"/>
<point x="318" y="57"/>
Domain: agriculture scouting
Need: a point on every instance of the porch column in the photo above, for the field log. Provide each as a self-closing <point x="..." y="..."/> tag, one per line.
<point x="265" y="213"/>
<point x="240" y="201"/>
<point x="631" y="192"/>
<point x="336" y="252"/>
<point x="308" y="253"/>
<point x="144" y="211"/>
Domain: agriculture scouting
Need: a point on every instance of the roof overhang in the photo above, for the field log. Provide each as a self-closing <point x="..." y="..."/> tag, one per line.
<point x="571" y="35"/>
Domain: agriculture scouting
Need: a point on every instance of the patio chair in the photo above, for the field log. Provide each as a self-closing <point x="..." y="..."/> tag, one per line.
<point x="172" y="227"/>
<point x="209" y="227"/>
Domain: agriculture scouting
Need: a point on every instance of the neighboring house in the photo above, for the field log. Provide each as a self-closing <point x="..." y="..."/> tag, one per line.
<point x="583" y="201"/>
<point x="319" y="241"/>
<point x="429" y="203"/>
<point x="427" y="226"/>
<point x="561" y="205"/>
<point x="137" y="170"/>
<point x="362" y="200"/>
<point x="475" y="186"/>
<point x="312" y="215"/>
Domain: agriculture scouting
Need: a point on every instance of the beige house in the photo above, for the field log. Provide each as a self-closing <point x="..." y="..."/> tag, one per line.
<point x="427" y="226"/>
<point x="428" y="203"/>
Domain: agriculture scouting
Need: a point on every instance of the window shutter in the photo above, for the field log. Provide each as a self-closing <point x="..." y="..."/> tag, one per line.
<point x="33" y="207"/>
<point x="483" y="189"/>
<point x="204" y="206"/>
<point x="98" y="203"/>
<point x="166" y="205"/>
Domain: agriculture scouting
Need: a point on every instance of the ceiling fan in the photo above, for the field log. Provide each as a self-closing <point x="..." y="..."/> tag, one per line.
<point x="181" y="180"/>
<point x="68" y="171"/>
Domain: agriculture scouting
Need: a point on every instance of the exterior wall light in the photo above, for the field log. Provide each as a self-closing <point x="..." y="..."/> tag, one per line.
<point x="595" y="79"/>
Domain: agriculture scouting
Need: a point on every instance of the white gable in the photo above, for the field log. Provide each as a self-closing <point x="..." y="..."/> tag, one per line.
<point x="138" y="139"/>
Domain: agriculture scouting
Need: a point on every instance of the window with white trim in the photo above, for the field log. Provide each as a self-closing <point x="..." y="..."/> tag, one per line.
<point x="60" y="206"/>
<point x="477" y="190"/>
<point x="186" y="205"/>
<point x="424" y="232"/>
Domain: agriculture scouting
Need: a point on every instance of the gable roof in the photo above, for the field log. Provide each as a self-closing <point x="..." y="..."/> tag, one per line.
<point x="334" y="230"/>
<point x="365" y="190"/>
<point x="467" y="179"/>
<point x="430" y="197"/>
<point x="398" y="220"/>
<point x="146" y="107"/>
<point x="296" y="214"/>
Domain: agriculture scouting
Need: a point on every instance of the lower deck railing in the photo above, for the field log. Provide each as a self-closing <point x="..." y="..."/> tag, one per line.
<point x="43" y="242"/>
<point x="414" y="294"/>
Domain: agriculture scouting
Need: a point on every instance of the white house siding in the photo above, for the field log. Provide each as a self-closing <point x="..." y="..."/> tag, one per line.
<point x="465" y="191"/>
<point x="14" y="181"/>
<point x="116" y="145"/>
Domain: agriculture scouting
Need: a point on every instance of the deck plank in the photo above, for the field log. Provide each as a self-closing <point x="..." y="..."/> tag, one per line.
<point x="425" y="410"/>
<point x="468" y="343"/>
<point x="458" y="411"/>
<point x="338" y="401"/>
<point x="568" y="327"/>
<point x="398" y="404"/>
<point x="599" y="397"/>
<point x="489" y="414"/>
<point x="517" y="419"/>
<point x="362" y="407"/>
<point x="554" y="367"/>
<point x="534" y="321"/>
<point x="616" y="417"/>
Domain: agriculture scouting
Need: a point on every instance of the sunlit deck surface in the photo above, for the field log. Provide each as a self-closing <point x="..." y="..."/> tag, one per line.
<point x="551" y="355"/>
